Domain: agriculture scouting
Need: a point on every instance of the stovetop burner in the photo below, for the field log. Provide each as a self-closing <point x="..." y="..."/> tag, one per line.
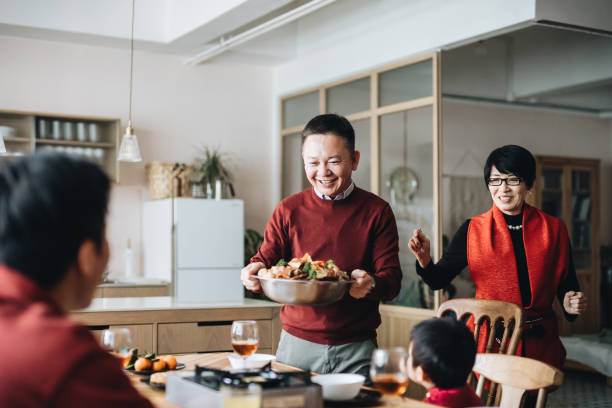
<point x="265" y="377"/>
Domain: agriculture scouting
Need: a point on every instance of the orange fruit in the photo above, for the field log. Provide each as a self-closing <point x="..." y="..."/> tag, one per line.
<point x="170" y="361"/>
<point x="159" y="365"/>
<point x="142" y="364"/>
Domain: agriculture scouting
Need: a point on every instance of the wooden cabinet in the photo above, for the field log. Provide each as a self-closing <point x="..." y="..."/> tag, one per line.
<point x="568" y="188"/>
<point x="109" y="291"/>
<point x="184" y="329"/>
<point x="141" y="334"/>
<point x="93" y="138"/>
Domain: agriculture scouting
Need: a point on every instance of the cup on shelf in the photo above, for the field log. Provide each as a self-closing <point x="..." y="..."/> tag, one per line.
<point x="68" y="131"/>
<point x="93" y="133"/>
<point x="43" y="129"/>
<point x="99" y="155"/>
<point x="81" y="132"/>
<point x="56" y="129"/>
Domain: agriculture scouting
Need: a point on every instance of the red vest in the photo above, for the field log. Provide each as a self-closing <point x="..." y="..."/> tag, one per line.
<point x="493" y="269"/>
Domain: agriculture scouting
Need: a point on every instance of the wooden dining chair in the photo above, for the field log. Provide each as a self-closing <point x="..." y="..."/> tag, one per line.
<point x="495" y="315"/>
<point x="517" y="375"/>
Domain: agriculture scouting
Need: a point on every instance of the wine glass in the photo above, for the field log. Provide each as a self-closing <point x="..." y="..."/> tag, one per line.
<point x="118" y="341"/>
<point x="245" y="337"/>
<point x="387" y="371"/>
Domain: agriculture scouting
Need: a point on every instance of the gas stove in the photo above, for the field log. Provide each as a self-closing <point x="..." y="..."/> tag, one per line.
<point x="200" y="388"/>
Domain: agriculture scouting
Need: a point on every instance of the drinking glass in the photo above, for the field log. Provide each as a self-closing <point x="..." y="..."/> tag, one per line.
<point x="245" y="337"/>
<point x="118" y="341"/>
<point x="387" y="371"/>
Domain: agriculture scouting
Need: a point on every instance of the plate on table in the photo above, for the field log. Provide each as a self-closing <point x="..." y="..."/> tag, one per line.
<point x="179" y="366"/>
<point x="147" y="380"/>
<point x="365" y="398"/>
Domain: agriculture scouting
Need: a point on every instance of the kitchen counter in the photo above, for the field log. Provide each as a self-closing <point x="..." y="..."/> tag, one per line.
<point x="133" y="304"/>
<point x="138" y="287"/>
<point x="165" y="324"/>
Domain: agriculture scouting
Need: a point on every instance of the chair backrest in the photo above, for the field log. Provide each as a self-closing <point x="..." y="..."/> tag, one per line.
<point x="517" y="375"/>
<point x="492" y="313"/>
<point x="489" y="316"/>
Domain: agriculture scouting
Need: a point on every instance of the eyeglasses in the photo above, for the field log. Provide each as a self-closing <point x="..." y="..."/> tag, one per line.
<point x="510" y="181"/>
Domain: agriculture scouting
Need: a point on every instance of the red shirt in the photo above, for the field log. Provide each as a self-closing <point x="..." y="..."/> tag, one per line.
<point x="48" y="360"/>
<point x="459" y="397"/>
<point x="358" y="232"/>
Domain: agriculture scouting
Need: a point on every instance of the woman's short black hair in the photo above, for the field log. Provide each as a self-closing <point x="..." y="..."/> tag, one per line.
<point x="331" y="123"/>
<point x="49" y="205"/>
<point x="445" y="349"/>
<point x="512" y="159"/>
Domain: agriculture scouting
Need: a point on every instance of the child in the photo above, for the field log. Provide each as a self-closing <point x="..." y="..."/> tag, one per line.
<point x="441" y="356"/>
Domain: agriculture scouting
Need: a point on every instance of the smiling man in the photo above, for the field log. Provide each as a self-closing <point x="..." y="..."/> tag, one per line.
<point x="333" y="220"/>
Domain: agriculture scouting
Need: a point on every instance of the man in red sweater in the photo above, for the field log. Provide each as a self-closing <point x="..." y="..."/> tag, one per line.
<point x="53" y="252"/>
<point x="333" y="220"/>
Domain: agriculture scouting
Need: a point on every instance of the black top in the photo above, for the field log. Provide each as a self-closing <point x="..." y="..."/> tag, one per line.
<point x="437" y="276"/>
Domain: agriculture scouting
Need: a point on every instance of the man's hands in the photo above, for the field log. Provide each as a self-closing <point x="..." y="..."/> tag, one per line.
<point x="420" y="246"/>
<point x="246" y="274"/>
<point x="362" y="285"/>
<point x="574" y="302"/>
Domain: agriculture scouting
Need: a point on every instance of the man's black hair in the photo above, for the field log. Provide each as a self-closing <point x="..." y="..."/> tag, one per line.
<point x="49" y="205"/>
<point x="512" y="159"/>
<point x="331" y="123"/>
<point x="445" y="349"/>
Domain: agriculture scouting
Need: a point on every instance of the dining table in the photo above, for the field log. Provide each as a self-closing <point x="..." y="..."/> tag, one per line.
<point x="220" y="361"/>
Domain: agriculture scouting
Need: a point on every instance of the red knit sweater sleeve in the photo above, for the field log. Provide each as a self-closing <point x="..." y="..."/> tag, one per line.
<point x="275" y="244"/>
<point x="387" y="271"/>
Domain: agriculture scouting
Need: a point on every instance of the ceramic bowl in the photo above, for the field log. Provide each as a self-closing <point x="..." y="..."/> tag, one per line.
<point x="338" y="387"/>
<point x="252" y="361"/>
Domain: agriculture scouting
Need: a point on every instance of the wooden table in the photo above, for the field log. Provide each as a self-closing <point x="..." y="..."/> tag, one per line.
<point x="220" y="361"/>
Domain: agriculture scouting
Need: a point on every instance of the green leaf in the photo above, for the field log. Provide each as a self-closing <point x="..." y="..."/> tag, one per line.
<point x="282" y="262"/>
<point x="312" y="274"/>
<point x="330" y="263"/>
<point x="306" y="267"/>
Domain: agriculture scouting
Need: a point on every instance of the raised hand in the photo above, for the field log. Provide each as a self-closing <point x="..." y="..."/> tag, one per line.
<point x="574" y="302"/>
<point x="420" y="246"/>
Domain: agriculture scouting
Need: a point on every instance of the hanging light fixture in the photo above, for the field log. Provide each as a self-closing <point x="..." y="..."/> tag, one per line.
<point x="129" y="150"/>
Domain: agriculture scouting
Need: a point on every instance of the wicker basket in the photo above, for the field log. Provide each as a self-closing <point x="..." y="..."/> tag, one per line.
<point x="159" y="178"/>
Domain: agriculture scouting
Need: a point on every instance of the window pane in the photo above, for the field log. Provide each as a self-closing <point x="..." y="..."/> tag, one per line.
<point x="406" y="156"/>
<point x="348" y="98"/>
<point x="406" y="83"/>
<point x="300" y="109"/>
<point x="581" y="218"/>
<point x="361" y="176"/>
<point x="294" y="178"/>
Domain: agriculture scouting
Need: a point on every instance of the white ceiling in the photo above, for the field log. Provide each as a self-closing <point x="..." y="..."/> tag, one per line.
<point x="179" y="27"/>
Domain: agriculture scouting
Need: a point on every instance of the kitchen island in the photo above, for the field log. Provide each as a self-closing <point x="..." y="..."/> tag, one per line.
<point x="166" y="325"/>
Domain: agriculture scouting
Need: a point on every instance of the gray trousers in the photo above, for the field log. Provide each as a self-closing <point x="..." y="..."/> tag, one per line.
<point x="323" y="358"/>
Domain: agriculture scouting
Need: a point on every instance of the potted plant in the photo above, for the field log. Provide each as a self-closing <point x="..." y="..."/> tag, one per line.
<point x="210" y="172"/>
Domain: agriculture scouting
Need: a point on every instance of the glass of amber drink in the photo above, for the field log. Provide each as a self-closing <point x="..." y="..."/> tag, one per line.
<point x="387" y="371"/>
<point x="245" y="337"/>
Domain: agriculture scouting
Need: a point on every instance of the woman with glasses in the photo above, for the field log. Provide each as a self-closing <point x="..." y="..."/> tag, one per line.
<point x="515" y="253"/>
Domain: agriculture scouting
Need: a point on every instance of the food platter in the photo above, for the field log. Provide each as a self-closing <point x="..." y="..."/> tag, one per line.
<point x="304" y="292"/>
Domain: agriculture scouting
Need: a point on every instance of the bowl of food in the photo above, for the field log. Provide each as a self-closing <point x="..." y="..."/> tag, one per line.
<point x="303" y="281"/>
<point x="339" y="387"/>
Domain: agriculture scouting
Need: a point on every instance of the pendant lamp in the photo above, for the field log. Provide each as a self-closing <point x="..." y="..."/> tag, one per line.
<point x="129" y="150"/>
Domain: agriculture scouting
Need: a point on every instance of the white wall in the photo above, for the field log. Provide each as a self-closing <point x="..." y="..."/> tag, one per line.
<point x="175" y="109"/>
<point x="478" y="129"/>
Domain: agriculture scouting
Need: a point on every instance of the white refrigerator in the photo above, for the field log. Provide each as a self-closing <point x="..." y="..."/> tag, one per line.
<point x="196" y="244"/>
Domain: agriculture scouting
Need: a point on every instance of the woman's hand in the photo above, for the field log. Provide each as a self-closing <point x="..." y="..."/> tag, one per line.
<point x="420" y="246"/>
<point x="362" y="285"/>
<point x="246" y="274"/>
<point x="574" y="302"/>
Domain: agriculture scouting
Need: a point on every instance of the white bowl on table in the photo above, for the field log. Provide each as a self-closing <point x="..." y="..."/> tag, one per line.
<point x="252" y="361"/>
<point x="339" y="387"/>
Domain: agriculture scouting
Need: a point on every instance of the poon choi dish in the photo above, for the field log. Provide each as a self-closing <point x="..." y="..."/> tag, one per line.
<point x="304" y="268"/>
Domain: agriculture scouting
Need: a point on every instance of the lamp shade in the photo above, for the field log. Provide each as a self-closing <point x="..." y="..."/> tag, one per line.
<point x="129" y="150"/>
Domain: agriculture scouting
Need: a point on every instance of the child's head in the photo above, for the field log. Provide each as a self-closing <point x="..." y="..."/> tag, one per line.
<point x="442" y="353"/>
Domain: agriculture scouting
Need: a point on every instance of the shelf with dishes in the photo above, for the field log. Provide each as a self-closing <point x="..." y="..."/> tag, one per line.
<point x="93" y="138"/>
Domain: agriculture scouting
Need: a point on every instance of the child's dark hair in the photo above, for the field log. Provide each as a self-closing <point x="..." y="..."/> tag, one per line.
<point x="445" y="349"/>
